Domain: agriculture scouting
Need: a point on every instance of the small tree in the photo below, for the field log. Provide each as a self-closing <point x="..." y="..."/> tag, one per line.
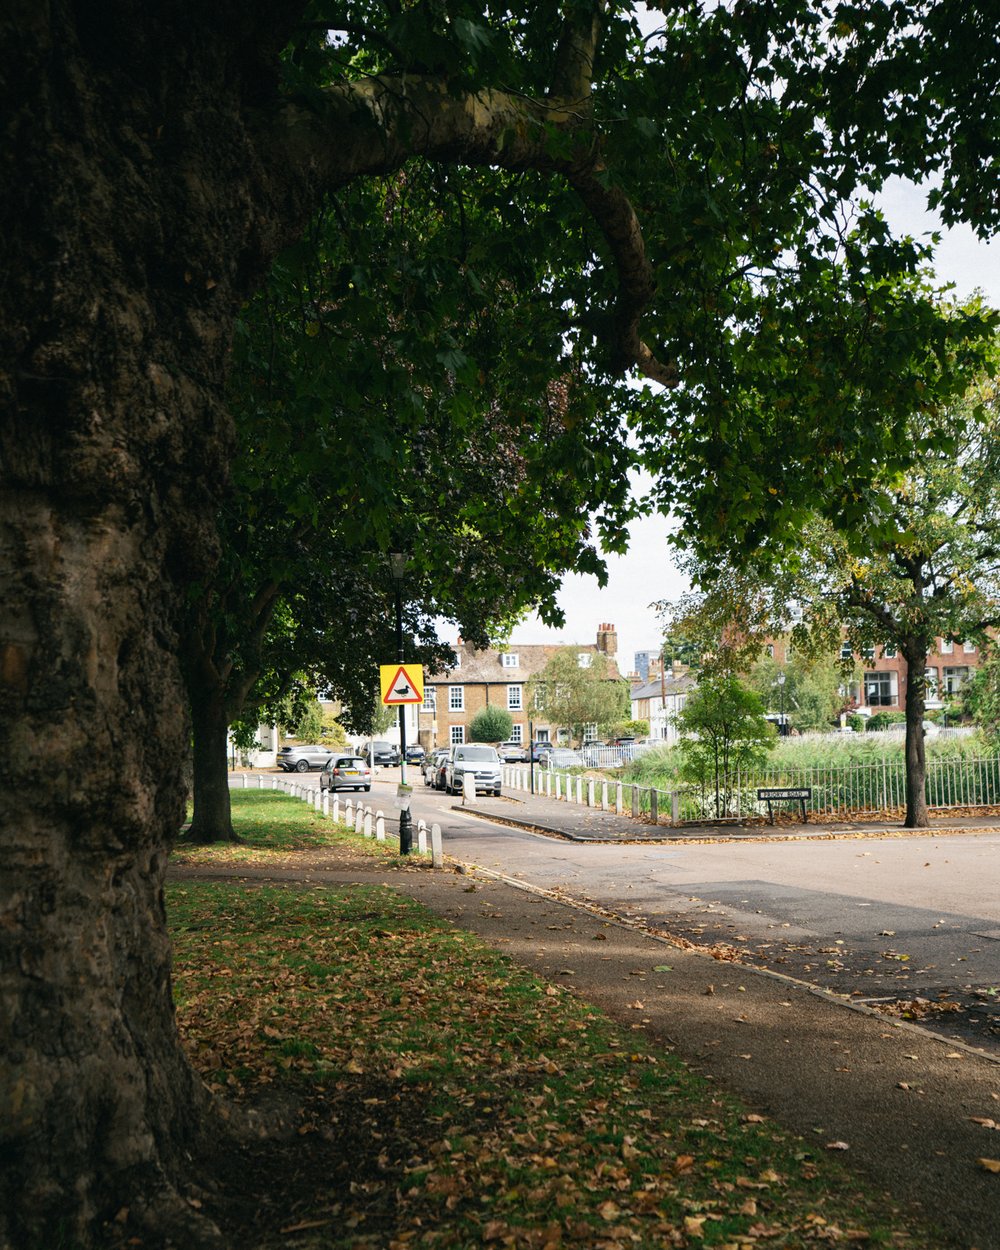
<point x="572" y="695"/>
<point x="723" y="729"/>
<point x="492" y="724"/>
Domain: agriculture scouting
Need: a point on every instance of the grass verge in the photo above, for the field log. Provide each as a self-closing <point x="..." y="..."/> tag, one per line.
<point x="446" y="1097"/>
<point x="273" y="828"/>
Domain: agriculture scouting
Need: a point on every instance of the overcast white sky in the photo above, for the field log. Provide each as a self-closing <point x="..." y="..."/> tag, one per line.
<point x="646" y="573"/>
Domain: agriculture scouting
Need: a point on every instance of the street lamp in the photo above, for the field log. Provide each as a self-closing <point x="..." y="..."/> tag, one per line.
<point x="397" y="570"/>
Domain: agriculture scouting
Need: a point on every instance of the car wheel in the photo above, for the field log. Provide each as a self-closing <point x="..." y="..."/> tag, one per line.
<point x="366" y="788"/>
<point x="496" y="793"/>
<point x="302" y="766"/>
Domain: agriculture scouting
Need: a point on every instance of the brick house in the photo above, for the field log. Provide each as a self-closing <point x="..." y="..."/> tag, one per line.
<point x="882" y="686"/>
<point x="498" y="678"/>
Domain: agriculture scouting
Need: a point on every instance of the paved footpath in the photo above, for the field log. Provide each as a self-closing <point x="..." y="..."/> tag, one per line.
<point x="914" y="1110"/>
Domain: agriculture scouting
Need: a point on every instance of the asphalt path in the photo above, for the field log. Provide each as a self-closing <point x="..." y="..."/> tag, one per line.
<point x="888" y="921"/>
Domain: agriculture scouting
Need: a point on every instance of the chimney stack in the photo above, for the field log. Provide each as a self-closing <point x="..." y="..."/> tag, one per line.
<point x="607" y="640"/>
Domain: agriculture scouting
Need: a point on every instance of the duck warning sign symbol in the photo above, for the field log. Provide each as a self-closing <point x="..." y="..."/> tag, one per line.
<point x="401" y="683"/>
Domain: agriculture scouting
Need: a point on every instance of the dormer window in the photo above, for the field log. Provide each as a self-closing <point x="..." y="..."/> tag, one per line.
<point x="585" y="659"/>
<point x="510" y="659"/>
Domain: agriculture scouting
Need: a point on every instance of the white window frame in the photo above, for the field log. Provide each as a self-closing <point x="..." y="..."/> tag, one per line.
<point x="456" y="698"/>
<point x="515" y="698"/>
<point x="517" y="733"/>
<point x="846" y="651"/>
<point x="931" y="679"/>
<point x="880" y="678"/>
<point x="456" y="735"/>
<point x="947" y="646"/>
<point x="510" y="659"/>
<point x="430" y="699"/>
<point x="889" y="652"/>
<point x="954" y="677"/>
<point x="585" y="659"/>
<point x="969" y="648"/>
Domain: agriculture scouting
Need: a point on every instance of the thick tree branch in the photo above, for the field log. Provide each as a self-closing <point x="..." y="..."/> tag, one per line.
<point x="376" y="125"/>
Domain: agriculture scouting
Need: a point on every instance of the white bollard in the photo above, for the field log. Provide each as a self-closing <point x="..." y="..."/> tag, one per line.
<point x="336" y="807"/>
<point x="244" y="781"/>
<point x="548" y="785"/>
<point x="368" y="822"/>
<point x="260" y="783"/>
<point x="380" y="826"/>
<point x="326" y="802"/>
<point x="469" y="788"/>
<point x="317" y="800"/>
<point x="437" y="854"/>
<point x="274" y="783"/>
<point x="422" y="836"/>
<point x="359" y="818"/>
<point x="348" y="812"/>
<point x="590" y="792"/>
<point x="604" y="796"/>
<point x="619" y="799"/>
<point x="579" y="790"/>
<point x="558" y="786"/>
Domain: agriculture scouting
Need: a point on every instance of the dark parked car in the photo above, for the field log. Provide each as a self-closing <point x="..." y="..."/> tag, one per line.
<point x="382" y="753"/>
<point x="415" y="753"/>
<point x="300" y="758"/>
<point x="345" y="772"/>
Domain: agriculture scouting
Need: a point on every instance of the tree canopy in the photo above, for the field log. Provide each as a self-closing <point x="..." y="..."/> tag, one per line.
<point x="684" y="203"/>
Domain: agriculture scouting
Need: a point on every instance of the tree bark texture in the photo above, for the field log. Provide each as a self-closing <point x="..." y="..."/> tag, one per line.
<point x="130" y="238"/>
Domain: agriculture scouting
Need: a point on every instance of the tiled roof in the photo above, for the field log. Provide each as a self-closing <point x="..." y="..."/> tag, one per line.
<point x="487" y="666"/>
<point x="670" y="685"/>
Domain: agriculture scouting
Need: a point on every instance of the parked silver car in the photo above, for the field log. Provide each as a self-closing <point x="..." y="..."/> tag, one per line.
<point x="345" y="772"/>
<point x="512" y="752"/>
<point x="433" y="767"/>
<point x="561" y="757"/>
<point x="304" y="756"/>
<point x="479" y="760"/>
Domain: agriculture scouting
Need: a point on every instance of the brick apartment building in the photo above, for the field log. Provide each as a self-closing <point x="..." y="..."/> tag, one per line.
<point x="882" y="686"/>
<point x="499" y="678"/>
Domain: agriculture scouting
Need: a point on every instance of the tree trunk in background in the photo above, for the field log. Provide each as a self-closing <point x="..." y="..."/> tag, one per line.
<point x="212" y="821"/>
<point x="915" y="654"/>
<point x="134" y="221"/>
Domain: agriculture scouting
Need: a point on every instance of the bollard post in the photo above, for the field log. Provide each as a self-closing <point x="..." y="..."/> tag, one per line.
<point x="579" y="789"/>
<point x="558" y="786"/>
<point x="635" y="801"/>
<point x="675" y="808"/>
<point x="359" y="817"/>
<point x="336" y="807"/>
<point x="590" y="792"/>
<point x="260" y="783"/>
<point x="619" y="799"/>
<point x="604" y="796"/>
<point x="654" y="807"/>
<point x="437" y="854"/>
<point x="368" y="823"/>
<point x="348" y="812"/>
<point x="379" y="826"/>
<point x="422" y="836"/>
<point x="244" y="781"/>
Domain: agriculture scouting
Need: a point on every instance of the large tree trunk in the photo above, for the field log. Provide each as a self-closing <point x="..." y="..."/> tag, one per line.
<point x="130" y="239"/>
<point x="915" y="654"/>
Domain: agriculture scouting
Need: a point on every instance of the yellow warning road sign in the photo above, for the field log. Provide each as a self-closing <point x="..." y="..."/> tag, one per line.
<point x="401" y="683"/>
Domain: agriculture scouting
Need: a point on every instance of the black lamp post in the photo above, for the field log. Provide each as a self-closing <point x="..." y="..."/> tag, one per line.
<point x="397" y="567"/>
